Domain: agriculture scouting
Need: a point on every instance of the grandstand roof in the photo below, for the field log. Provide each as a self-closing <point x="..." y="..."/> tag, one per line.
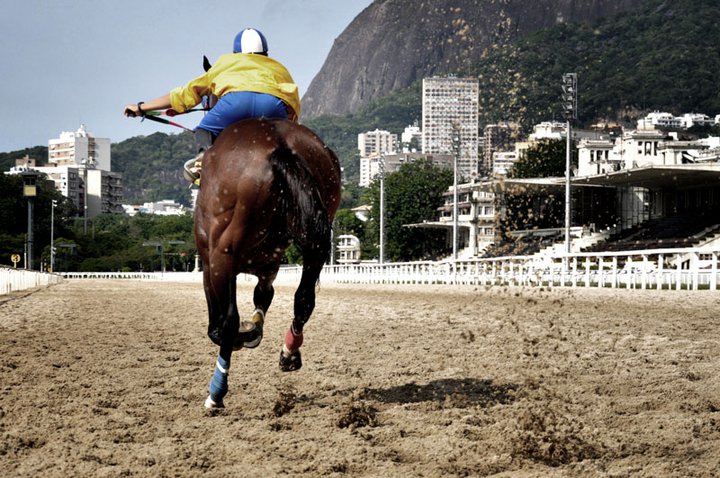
<point x="653" y="177"/>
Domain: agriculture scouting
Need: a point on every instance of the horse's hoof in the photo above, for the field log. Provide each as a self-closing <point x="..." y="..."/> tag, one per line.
<point x="290" y="363"/>
<point x="211" y="404"/>
<point x="249" y="336"/>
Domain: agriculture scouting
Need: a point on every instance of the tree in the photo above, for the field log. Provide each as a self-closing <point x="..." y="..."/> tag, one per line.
<point x="351" y="194"/>
<point x="347" y="223"/>
<point x="523" y="209"/>
<point x="13" y="217"/>
<point x="544" y="159"/>
<point x="412" y="195"/>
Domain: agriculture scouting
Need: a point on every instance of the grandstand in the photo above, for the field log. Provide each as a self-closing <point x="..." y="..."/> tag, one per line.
<point x="688" y="230"/>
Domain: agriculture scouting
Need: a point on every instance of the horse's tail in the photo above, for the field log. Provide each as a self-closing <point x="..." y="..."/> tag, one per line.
<point x="301" y="205"/>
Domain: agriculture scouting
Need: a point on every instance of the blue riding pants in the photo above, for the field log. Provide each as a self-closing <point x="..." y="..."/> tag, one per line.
<point x="239" y="105"/>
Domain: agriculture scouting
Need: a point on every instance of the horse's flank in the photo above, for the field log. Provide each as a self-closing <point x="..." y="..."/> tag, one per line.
<point x="266" y="183"/>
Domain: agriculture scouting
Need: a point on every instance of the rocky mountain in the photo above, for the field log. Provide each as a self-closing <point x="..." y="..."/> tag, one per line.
<point x="395" y="42"/>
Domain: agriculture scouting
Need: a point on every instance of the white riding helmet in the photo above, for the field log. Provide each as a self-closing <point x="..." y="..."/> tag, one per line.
<point x="250" y="41"/>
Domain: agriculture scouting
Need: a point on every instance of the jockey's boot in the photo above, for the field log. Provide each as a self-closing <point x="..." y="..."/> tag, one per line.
<point x="191" y="170"/>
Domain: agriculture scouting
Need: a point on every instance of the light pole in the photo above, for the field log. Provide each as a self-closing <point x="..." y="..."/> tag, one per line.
<point x="332" y="245"/>
<point x="159" y="248"/>
<point x="67" y="246"/>
<point x="30" y="192"/>
<point x="456" y="153"/>
<point x="382" y="208"/>
<point x="52" y="235"/>
<point x="174" y="243"/>
<point x="84" y="163"/>
<point x="570" y="108"/>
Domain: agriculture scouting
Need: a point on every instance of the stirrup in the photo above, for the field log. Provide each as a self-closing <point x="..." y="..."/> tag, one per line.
<point x="192" y="168"/>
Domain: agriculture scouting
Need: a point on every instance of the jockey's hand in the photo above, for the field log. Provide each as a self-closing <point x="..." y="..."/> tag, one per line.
<point x="133" y="110"/>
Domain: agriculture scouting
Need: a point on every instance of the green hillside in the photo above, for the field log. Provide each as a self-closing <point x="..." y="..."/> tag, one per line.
<point x="152" y="166"/>
<point x="663" y="57"/>
<point x="39" y="153"/>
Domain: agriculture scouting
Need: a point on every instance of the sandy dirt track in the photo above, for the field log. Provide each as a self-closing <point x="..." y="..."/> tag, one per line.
<point x="107" y="378"/>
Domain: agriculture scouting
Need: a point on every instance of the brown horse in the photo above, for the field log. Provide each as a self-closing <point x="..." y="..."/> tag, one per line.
<point x="265" y="183"/>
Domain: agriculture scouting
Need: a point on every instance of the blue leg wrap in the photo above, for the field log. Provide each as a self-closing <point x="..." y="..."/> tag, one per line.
<point x="219" y="383"/>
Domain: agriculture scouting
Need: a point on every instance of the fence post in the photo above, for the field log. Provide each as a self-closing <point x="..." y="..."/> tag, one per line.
<point x="587" y="271"/>
<point x="574" y="271"/>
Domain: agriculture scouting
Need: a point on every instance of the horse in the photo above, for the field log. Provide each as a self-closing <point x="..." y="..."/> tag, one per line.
<point x="266" y="183"/>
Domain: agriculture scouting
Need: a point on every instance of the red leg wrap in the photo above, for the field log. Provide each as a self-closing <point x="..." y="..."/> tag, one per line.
<point x="292" y="341"/>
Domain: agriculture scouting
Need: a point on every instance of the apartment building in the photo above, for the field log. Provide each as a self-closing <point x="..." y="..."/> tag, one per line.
<point x="498" y="138"/>
<point x="450" y="115"/>
<point x="79" y="165"/>
<point x="79" y="147"/>
<point x="373" y="145"/>
<point x="370" y="167"/>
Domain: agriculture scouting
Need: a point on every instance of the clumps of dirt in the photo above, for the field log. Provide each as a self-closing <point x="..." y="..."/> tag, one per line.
<point x="15" y="445"/>
<point x="552" y="439"/>
<point x="284" y="404"/>
<point x="215" y="412"/>
<point x="356" y="415"/>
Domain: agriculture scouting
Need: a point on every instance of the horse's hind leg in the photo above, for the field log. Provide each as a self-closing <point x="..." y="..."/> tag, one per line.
<point x="290" y="359"/>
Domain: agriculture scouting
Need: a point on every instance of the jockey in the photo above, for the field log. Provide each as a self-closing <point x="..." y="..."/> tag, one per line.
<point x="247" y="83"/>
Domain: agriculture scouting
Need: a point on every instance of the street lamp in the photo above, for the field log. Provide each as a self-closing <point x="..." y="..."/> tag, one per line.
<point x="382" y="208"/>
<point x="52" y="235"/>
<point x="569" y="98"/>
<point x="159" y="248"/>
<point x="30" y="192"/>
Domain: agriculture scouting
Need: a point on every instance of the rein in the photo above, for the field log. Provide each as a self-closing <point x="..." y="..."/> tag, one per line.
<point x="155" y="116"/>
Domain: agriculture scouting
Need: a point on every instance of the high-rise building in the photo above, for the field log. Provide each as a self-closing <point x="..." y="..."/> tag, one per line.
<point x="376" y="142"/>
<point x="80" y="147"/>
<point x="79" y="163"/>
<point x="499" y="137"/>
<point x="449" y="106"/>
<point x="373" y="145"/>
<point x="411" y="139"/>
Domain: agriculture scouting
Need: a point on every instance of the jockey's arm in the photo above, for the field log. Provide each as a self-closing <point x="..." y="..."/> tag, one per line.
<point x="160" y="103"/>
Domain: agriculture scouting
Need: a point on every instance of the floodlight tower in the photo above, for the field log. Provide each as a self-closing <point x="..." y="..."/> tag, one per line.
<point x="569" y="98"/>
<point x="382" y="208"/>
<point x="455" y="140"/>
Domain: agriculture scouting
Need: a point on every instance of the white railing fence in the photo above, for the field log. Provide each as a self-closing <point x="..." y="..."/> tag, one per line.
<point x="12" y="279"/>
<point x="642" y="269"/>
<point x="691" y="269"/>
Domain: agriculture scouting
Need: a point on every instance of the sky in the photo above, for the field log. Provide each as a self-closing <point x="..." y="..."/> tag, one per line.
<point x="64" y="63"/>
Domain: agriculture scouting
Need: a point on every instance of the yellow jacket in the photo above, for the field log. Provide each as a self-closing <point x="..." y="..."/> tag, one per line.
<point x="239" y="72"/>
